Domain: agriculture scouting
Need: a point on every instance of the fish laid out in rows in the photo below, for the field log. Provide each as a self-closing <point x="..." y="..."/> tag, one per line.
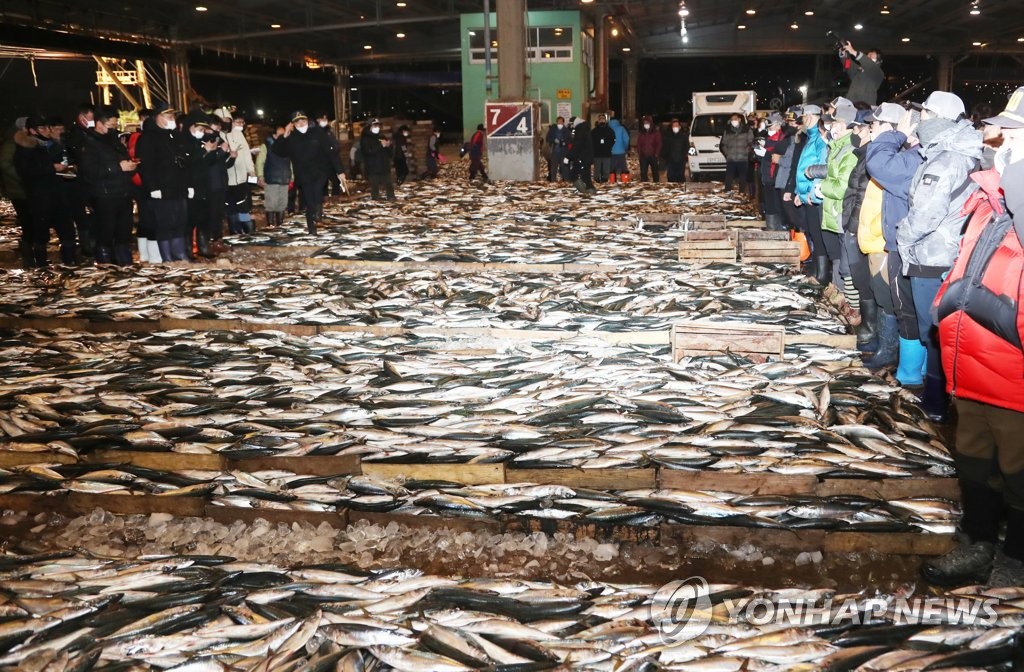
<point x="638" y="301"/>
<point x="62" y="611"/>
<point x="288" y="491"/>
<point x="575" y="403"/>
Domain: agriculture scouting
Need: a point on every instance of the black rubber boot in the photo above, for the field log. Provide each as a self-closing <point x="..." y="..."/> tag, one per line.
<point x="822" y="270"/>
<point x="123" y="255"/>
<point x="887" y="353"/>
<point x="102" y="254"/>
<point x="40" y="258"/>
<point x="935" y="401"/>
<point x="867" y="331"/>
<point x="1008" y="568"/>
<point x="971" y="561"/>
<point x="165" y="250"/>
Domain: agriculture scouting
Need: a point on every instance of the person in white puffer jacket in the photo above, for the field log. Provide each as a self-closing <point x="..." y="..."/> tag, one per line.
<point x="241" y="176"/>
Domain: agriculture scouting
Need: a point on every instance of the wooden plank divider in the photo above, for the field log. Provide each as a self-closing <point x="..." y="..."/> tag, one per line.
<point x="786" y="484"/>
<point x="463" y="267"/>
<point x="596" y="479"/>
<point x="164" y="460"/>
<point x="468" y="474"/>
<point x="17" y="458"/>
<point x="82" y="503"/>
<point x="311" y="465"/>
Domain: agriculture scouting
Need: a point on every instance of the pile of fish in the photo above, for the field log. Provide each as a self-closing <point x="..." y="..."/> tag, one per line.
<point x="645" y="301"/>
<point x="66" y="611"/>
<point x="573" y="403"/>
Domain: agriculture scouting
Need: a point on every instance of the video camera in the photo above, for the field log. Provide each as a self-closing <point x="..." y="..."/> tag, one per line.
<point x="837" y="42"/>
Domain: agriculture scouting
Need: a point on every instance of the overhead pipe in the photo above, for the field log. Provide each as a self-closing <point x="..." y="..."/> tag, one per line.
<point x="488" y="79"/>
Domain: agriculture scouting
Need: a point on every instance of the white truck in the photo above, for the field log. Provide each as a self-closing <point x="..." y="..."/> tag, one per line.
<point x="711" y="112"/>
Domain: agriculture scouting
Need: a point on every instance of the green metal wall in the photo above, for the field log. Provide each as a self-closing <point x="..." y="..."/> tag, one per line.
<point x="544" y="79"/>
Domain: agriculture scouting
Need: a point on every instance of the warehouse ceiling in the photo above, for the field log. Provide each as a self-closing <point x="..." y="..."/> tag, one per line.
<point x="359" y="31"/>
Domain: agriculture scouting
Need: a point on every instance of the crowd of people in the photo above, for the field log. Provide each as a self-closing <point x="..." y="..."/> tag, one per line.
<point x="173" y="184"/>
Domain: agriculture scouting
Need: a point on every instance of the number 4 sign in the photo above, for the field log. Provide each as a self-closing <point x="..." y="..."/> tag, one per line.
<point x="509" y="120"/>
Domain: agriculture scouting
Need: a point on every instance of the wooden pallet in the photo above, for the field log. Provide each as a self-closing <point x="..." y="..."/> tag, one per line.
<point x="699" y="338"/>
<point x="708" y="246"/>
<point x="770" y="252"/>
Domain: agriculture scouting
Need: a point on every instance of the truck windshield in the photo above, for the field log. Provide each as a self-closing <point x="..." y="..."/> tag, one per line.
<point x="709" y="124"/>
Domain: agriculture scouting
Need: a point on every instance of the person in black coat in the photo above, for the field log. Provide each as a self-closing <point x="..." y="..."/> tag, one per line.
<point x="400" y="141"/>
<point x="106" y="168"/>
<point x="208" y="164"/>
<point x="603" y="138"/>
<point x="39" y="171"/>
<point x="676" y="147"/>
<point x="581" y="156"/>
<point x="377" y="155"/>
<point x="315" y="158"/>
<point x="166" y="177"/>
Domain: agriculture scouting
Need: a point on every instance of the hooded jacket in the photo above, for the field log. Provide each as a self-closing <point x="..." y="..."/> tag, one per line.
<point x="582" y="148"/>
<point x="841" y="162"/>
<point x="648" y="142"/>
<point x="735" y="142"/>
<point x="676" y="146"/>
<point x="99" y="165"/>
<point x="34" y="164"/>
<point x="815" y="152"/>
<point x="981" y="324"/>
<point x="893" y="168"/>
<point x="376" y="157"/>
<point x="621" y="145"/>
<point x="772" y="143"/>
<point x="929" y="235"/>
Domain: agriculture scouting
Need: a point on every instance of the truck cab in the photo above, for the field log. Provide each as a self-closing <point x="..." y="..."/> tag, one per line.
<point x="711" y="112"/>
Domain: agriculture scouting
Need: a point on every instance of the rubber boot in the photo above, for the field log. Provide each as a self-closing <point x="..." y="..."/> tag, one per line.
<point x="611" y="178"/>
<point x="624" y="178"/>
<point x="154" y="251"/>
<point x="68" y="254"/>
<point x="40" y="258"/>
<point x="143" y="250"/>
<point x="234" y="227"/>
<point x="248" y="226"/>
<point x="178" y="250"/>
<point x="122" y="255"/>
<point x="1008" y="568"/>
<point x="912" y="355"/>
<point x="165" y="250"/>
<point x="311" y="228"/>
<point x="822" y="270"/>
<point x="971" y="560"/>
<point x="888" y="343"/>
<point x="867" y="331"/>
<point x="203" y="242"/>
<point x="102" y="254"/>
<point x="935" y="401"/>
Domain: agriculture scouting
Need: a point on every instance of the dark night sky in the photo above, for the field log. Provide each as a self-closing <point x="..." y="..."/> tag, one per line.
<point x="665" y="85"/>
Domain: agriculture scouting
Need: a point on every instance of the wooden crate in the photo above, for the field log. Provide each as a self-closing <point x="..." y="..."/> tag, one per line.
<point x="753" y="224"/>
<point x="770" y="252"/>
<point x="704" y="246"/>
<point x="754" y="234"/>
<point x="702" y="338"/>
<point x="659" y="217"/>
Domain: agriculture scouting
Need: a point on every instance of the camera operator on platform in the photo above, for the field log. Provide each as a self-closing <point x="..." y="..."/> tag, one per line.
<point x="865" y="72"/>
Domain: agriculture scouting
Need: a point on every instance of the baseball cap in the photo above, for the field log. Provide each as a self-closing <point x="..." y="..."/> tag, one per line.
<point x="163" y="109"/>
<point x="889" y="113"/>
<point x="222" y="113"/>
<point x="298" y="114"/>
<point x="840" y="101"/>
<point x="19" y="123"/>
<point x="943" y="103"/>
<point x="775" y="118"/>
<point x="844" y="113"/>
<point x="1013" y="115"/>
<point x="810" y="109"/>
<point x="35" y="122"/>
<point x="374" y="121"/>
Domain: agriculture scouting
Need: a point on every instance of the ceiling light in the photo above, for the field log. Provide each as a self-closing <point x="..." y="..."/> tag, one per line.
<point x="976" y="7"/>
<point x="684" y="12"/>
<point x="367" y="46"/>
<point x="626" y="49"/>
<point x="615" y="32"/>
<point x="794" y="25"/>
<point x="275" y="25"/>
<point x="751" y="11"/>
<point x="399" y="35"/>
<point x="809" y="12"/>
<point x="400" y="4"/>
<point x="200" y="8"/>
<point x="858" y="26"/>
<point x="884" y="10"/>
<point x="586" y="2"/>
<point x="1020" y="39"/>
<point x="742" y="26"/>
<point x="905" y="39"/>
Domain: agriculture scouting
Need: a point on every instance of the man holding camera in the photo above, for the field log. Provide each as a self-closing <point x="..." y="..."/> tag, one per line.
<point x="864" y="71"/>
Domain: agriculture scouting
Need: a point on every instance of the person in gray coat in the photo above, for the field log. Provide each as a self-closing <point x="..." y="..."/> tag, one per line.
<point x="865" y="73"/>
<point x="929" y="236"/>
<point x="735" y="145"/>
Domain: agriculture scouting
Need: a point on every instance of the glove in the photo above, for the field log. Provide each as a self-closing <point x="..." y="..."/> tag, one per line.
<point x="191" y="192"/>
<point x="817" y="193"/>
<point x="155" y="194"/>
<point x="565" y="161"/>
<point x="760" y="151"/>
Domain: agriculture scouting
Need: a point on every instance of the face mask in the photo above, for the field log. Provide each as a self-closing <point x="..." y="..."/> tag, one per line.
<point x="170" y="125"/>
<point x="238" y="127"/>
<point x="676" y="129"/>
<point x="856" y="140"/>
<point x="406" y="134"/>
<point x="375" y="129"/>
<point x="561" y="126"/>
<point x="198" y="135"/>
<point x="302" y="129"/>
<point x="734" y="123"/>
<point x="647" y="127"/>
<point x="323" y="124"/>
<point x="89" y="123"/>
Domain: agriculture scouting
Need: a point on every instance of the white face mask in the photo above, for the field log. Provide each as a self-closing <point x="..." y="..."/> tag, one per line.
<point x="89" y="123"/>
<point x="375" y="129"/>
<point x="170" y="125"/>
<point x="676" y="129"/>
<point x="561" y="126"/>
<point x="323" y="124"/>
<point x="734" y="123"/>
<point x="198" y="135"/>
<point x="647" y="127"/>
<point x="302" y="129"/>
<point x="238" y="127"/>
<point x="406" y="134"/>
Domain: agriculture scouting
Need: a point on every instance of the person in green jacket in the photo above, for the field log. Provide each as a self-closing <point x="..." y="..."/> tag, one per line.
<point x="12" y="189"/>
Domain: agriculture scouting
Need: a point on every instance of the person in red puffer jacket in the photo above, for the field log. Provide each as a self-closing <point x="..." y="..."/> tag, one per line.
<point x="980" y="310"/>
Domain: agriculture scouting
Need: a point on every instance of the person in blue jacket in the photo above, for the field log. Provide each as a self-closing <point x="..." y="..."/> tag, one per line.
<point x="893" y="158"/>
<point x="807" y="194"/>
<point x="619" y="151"/>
